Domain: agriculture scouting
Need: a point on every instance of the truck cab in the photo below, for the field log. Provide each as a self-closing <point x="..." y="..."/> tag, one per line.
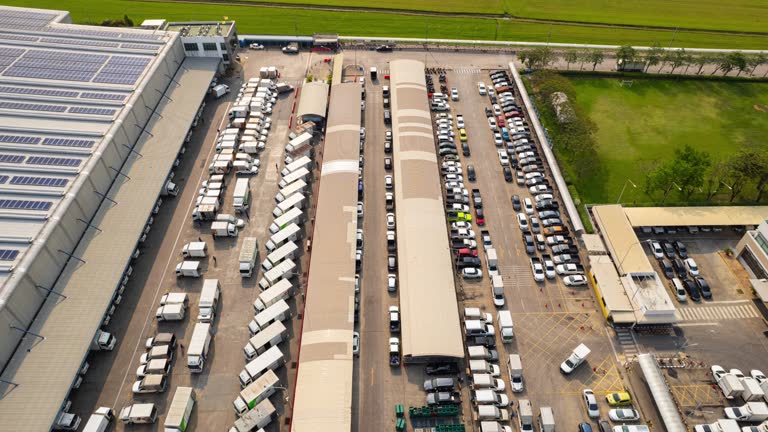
<point x="394" y="351"/>
<point x="103" y="341"/>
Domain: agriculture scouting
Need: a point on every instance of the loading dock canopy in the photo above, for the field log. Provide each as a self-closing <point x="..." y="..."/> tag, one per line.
<point x="621" y="240"/>
<point x="696" y="216"/>
<point x="314" y="100"/>
<point x="661" y="394"/>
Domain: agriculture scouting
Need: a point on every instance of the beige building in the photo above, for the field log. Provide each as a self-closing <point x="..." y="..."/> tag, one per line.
<point x="752" y="251"/>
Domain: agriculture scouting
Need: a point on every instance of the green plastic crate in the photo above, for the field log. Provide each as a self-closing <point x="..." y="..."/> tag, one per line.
<point x="400" y="424"/>
<point x="399" y="410"/>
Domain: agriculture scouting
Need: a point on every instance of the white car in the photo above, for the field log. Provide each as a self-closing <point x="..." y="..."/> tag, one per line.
<point x="503" y="158"/>
<point x="388" y="182"/>
<point x="471" y="273"/>
<point x="390" y="221"/>
<point x="460" y="121"/>
<point x="591" y="402"/>
<point x="481" y="88"/>
<point x="362" y="133"/>
<point x="566" y="269"/>
<point x="549" y="268"/>
<point x="522" y="221"/>
<point x="539" y="189"/>
<point x="355" y="343"/>
<point x="528" y="205"/>
<point x="461" y="225"/>
<point x="496" y="110"/>
<point x="575" y="280"/>
<point x="498" y="299"/>
<point x="451" y="185"/>
<point x="454" y="94"/>
<point x="538" y="270"/>
<point x="757" y="375"/>
<point x="658" y="252"/>
<point x="256" y="46"/>
<point x="717" y="372"/>
<point x="359" y="209"/>
<point x="631" y="428"/>
<point x="357" y="283"/>
<point x="391" y="282"/>
<point x="492" y="124"/>
<point x="623" y="414"/>
<point x="497" y="140"/>
<point x="693" y="269"/>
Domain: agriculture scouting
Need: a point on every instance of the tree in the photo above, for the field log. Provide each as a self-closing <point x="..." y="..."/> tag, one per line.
<point x="537" y="58"/>
<point x="660" y="179"/>
<point x="690" y="165"/>
<point x="724" y="64"/>
<point x="570" y="57"/>
<point x="596" y="57"/>
<point x="583" y="57"/>
<point x="739" y="61"/>
<point x="740" y="169"/>
<point x="761" y="171"/>
<point x="128" y="21"/>
<point x="653" y="55"/>
<point x="668" y="57"/>
<point x="677" y="59"/>
<point x="625" y="54"/>
<point x="756" y="60"/>
<point x="701" y="61"/>
<point x="688" y="60"/>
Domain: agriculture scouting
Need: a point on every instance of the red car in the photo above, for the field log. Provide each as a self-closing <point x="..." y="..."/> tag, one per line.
<point x="466" y="252"/>
<point x="479" y="218"/>
<point x="512" y="114"/>
<point x="502" y="123"/>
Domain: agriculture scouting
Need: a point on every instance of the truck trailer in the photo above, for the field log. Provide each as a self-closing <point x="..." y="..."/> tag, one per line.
<point x="256" y="392"/>
<point x="271" y="359"/>
<point x="180" y="410"/>
<point x="249" y="253"/>
<point x="198" y="347"/>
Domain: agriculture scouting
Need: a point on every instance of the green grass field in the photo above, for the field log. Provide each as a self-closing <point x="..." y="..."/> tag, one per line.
<point x="265" y="20"/>
<point x="647" y="121"/>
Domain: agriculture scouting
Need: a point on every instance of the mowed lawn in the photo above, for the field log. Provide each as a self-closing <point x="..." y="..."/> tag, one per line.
<point x="647" y="121"/>
<point x="267" y="20"/>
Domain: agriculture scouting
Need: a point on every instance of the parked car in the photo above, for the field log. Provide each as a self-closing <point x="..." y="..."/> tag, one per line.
<point x="507" y="174"/>
<point x="516" y="203"/>
<point x="692" y="290"/>
<point x="703" y="286"/>
<point x="618" y="399"/>
<point x="666" y="268"/>
<point x="693" y="269"/>
<point x="471" y="273"/>
<point x="591" y="403"/>
<point x="623" y="414"/>
<point x="538" y="269"/>
<point x="658" y="252"/>
<point x="575" y="280"/>
<point x="669" y="249"/>
<point x="471" y="173"/>
<point x="681" y="249"/>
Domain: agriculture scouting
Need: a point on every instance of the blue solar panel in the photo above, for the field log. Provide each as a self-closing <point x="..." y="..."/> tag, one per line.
<point x="57" y="64"/>
<point x="115" y="79"/>
<point x="7" y="36"/>
<point x="45" y="160"/>
<point x="8" y="158"/>
<point x="94" y="111"/>
<point x="80" y="42"/>
<point x="67" y="142"/>
<point x="38" y="181"/>
<point x="49" y="74"/>
<point x="3" y="179"/>
<point x="25" y="204"/>
<point x="38" y="91"/>
<point x="129" y="60"/>
<point x="8" y="254"/>
<point x="19" y="139"/>
<point x="32" y="107"/>
<point x="147" y="47"/>
<point x="104" y="96"/>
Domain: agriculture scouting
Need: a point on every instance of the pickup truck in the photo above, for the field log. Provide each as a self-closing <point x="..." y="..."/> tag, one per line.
<point x="463" y="243"/>
<point x="477" y="200"/>
<point x="565" y="248"/>
<point x="485" y="236"/>
<point x="394" y="319"/>
<point x="566" y="259"/>
<point x="394" y="352"/>
<point x="569" y="269"/>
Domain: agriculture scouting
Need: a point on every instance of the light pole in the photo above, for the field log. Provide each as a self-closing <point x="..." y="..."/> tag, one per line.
<point x="666" y="194"/>
<point x="623" y="188"/>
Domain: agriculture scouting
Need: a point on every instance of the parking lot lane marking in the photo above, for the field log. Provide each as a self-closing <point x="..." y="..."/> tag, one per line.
<point x="698" y="324"/>
<point x="373" y="374"/>
<point x="610" y="341"/>
<point x="728" y="302"/>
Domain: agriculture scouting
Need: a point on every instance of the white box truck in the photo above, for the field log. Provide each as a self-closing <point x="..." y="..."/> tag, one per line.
<point x="277" y="312"/>
<point x="188" y="269"/>
<point x="271" y="359"/>
<point x="482" y="366"/>
<point x="546" y="419"/>
<point x="282" y="290"/>
<point x="256" y="392"/>
<point x="493" y="426"/>
<point x="490" y="397"/>
<point x="67" y="421"/>
<point x="302" y="162"/>
<point x="260" y="416"/>
<point x="242" y="194"/>
<point x="288" y="190"/>
<point x="290" y="233"/>
<point x="483" y="353"/>
<point x="292" y="216"/>
<point x="299" y="174"/>
<point x="575" y="359"/>
<point x="296" y="200"/>
<point x="497" y="289"/>
<point x="264" y="340"/>
<point x="140" y="413"/>
<point x="506" y="326"/>
<point x="486" y="381"/>
<point x="249" y="253"/>
<point x="525" y="415"/>
<point x="515" y="368"/>
<point x="171" y="312"/>
<point x="103" y="341"/>
<point x="99" y="420"/>
<point x="491" y="261"/>
<point x="284" y="252"/>
<point x="752" y="391"/>
<point x="209" y="300"/>
<point x="730" y="385"/>
<point x="223" y="229"/>
<point x="195" y="250"/>
<point x="198" y="347"/>
<point x="749" y="412"/>
<point x="174" y="298"/>
<point x="220" y="90"/>
<point x="180" y="410"/>
<point x="284" y="270"/>
<point x="491" y="412"/>
<point x="299" y="143"/>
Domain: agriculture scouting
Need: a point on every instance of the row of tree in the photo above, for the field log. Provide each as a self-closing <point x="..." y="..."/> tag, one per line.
<point x="692" y="170"/>
<point x="543" y="57"/>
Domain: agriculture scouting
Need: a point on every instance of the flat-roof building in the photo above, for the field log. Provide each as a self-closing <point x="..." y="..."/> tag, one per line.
<point x="207" y="38"/>
<point x="430" y="315"/>
<point x="752" y="251"/>
<point x="86" y="144"/>
<point x="313" y="102"/>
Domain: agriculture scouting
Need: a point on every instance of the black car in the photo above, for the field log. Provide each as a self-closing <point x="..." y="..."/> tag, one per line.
<point x="677" y="263"/>
<point x="488" y="112"/>
<point x="471" y="173"/>
<point x="604" y="426"/>
<point x="516" y="203"/>
<point x="508" y="177"/>
<point x="442" y="369"/>
<point x="703" y="286"/>
<point x="681" y="249"/>
<point x="493" y="99"/>
<point x="669" y="249"/>
<point x="692" y="290"/>
<point x="388" y="164"/>
<point x="565" y="248"/>
<point x="387" y="117"/>
<point x="384" y="48"/>
<point x="468" y="262"/>
<point x="666" y="267"/>
<point x="547" y="205"/>
<point x="465" y="149"/>
<point x="387" y="147"/>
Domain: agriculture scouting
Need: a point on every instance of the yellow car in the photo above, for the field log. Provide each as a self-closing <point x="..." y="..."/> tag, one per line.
<point x="463" y="134"/>
<point x="619" y="399"/>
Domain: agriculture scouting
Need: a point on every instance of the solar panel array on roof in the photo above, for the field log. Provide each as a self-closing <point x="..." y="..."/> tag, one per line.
<point x="25" y="204"/>
<point x="18" y="139"/>
<point x="147" y="47"/>
<point x="122" y="70"/>
<point x="24" y="19"/>
<point x="91" y="110"/>
<point x="3" y="179"/>
<point x="39" y="181"/>
<point x="102" y="96"/>
<point x="67" y="142"/>
<point x="58" y="161"/>
<point x="9" y="158"/>
<point x="80" y="42"/>
<point x="8" y="254"/>
<point x="57" y="65"/>
<point x="38" y="91"/>
<point x="15" y="37"/>
<point x="32" y="107"/>
<point x="8" y="56"/>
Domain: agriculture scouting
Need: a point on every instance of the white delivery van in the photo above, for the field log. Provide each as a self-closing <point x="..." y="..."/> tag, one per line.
<point x="293" y="215"/>
<point x="282" y="290"/>
<point x="198" y="347"/>
<point x="296" y="200"/>
<point x="256" y="392"/>
<point x="299" y="174"/>
<point x="271" y="359"/>
<point x="249" y="253"/>
<point x="259" y="417"/>
<point x="99" y="420"/>
<point x="242" y="194"/>
<point x="283" y="270"/>
<point x="302" y="162"/>
<point x="506" y="326"/>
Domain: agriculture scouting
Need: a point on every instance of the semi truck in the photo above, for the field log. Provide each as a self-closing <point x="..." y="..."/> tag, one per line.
<point x="287" y="251"/>
<point x="242" y="194"/>
<point x="198" y="347"/>
<point x="209" y="300"/>
<point x="265" y="339"/>
<point x="259" y="417"/>
<point x="277" y="312"/>
<point x="103" y="341"/>
<point x="576" y="358"/>
<point x="194" y="250"/>
<point x="256" y="392"/>
<point x="284" y="270"/>
<point x="140" y="413"/>
<point x="249" y="253"/>
<point x="290" y="233"/>
<point x="506" y="326"/>
<point x="271" y="359"/>
<point x="292" y="216"/>
<point x="180" y="410"/>
<point x="282" y="290"/>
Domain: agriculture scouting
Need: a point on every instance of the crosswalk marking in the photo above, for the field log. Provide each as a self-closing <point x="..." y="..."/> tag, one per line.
<point x="626" y="341"/>
<point x="711" y="313"/>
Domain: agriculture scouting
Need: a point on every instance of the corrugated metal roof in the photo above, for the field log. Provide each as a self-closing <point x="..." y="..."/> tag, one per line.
<point x="661" y="394"/>
<point x="323" y="396"/>
<point x="68" y="325"/>
<point x="314" y="99"/>
<point x="427" y="289"/>
<point x="696" y="216"/>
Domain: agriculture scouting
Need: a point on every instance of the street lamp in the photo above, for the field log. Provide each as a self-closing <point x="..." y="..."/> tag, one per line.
<point x="666" y="194"/>
<point x="623" y="188"/>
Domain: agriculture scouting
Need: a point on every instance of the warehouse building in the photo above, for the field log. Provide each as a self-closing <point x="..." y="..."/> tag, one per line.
<point x="86" y="147"/>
